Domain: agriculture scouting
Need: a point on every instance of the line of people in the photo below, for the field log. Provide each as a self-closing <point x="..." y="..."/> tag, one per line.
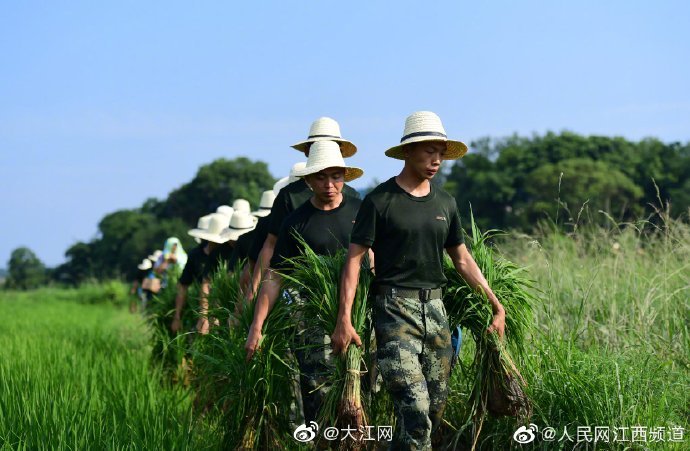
<point x="403" y="227"/>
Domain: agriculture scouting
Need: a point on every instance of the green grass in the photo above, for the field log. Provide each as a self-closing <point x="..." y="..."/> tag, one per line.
<point x="610" y="347"/>
<point x="75" y="376"/>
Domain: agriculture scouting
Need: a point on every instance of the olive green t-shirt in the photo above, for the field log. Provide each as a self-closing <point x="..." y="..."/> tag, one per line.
<point x="325" y="231"/>
<point x="408" y="234"/>
<point x="291" y="197"/>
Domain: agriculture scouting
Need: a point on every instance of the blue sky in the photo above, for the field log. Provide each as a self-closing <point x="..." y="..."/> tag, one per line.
<point x="104" y="105"/>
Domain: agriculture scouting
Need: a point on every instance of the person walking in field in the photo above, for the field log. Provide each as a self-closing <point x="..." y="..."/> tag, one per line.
<point x="408" y="222"/>
<point x="172" y="260"/>
<point x="241" y="222"/>
<point x="298" y="192"/>
<point x="324" y="222"/>
<point x="207" y="233"/>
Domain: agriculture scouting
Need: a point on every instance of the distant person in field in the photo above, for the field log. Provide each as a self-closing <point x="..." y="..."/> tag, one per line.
<point x="172" y="261"/>
<point x="150" y="285"/>
<point x="240" y="223"/>
<point x="409" y="222"/>
<point x="298" y="192"/>
<point x="324" y="221"/>
<point x="143" y="269"/>
<point x="197" y="260"/>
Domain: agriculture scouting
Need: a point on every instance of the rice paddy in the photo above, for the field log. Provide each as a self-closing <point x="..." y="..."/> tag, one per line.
<point x="606" y="362"/>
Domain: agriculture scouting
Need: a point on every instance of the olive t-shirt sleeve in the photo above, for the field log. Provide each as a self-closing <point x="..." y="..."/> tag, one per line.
<point x="455" y="236"/>
<point x="364" y="230"/>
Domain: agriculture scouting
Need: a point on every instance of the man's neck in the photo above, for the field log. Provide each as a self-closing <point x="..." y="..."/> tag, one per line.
<point x="413" y="184"/>
<point x="330" y="205"/>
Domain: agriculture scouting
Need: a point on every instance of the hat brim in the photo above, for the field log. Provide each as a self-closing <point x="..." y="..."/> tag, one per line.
<point x="351" y="172"/>
<point x="205" y="235"/>
<point x="143" y="267"/>
<point x="261" y="213"/>
<point x="231" y="234"/>
<point x="347" y="149"/>
<point x="454" y="149"/>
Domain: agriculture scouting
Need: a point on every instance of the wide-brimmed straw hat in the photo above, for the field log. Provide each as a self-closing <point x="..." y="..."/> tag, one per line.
<point x="241" y="205"/>
<point x="155" y="256"/>
<point x="324" y="155"/>
<point x="226" y="210"/>
<point x="285" y="181"/>
<point x="213" y="232"/>
<point x="426" y="126"/>
<point x="326" y="129"/>
<point x="202" y="223"/>
<point x="241" y="223"/>
<point x="145" y="264"/>
<point x="267" y="198"/>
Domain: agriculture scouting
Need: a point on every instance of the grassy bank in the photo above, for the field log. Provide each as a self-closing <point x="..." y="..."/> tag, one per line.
<point x="76" y="376"/>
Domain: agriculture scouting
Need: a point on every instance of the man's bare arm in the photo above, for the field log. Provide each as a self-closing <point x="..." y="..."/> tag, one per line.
<point x="344" y="332"/>
<point x="270" y="290"/>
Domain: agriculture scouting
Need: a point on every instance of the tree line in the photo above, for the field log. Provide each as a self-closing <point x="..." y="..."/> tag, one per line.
<point x="508" y="183"/>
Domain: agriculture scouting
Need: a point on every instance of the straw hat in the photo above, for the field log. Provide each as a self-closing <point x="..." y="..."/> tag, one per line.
<point x="241" y="205"/>
<point x="326" y="154"/>
<point x="226" y="210"/>
<point x="267" y="198"/>
<point x="280" y="184"/>
<point x="145" y="264"/>
<point x="426" y="126"/>
<point x="326" y="129"/>
<point x="213" y="232"/>
<point x="155" y="256"/>
<point x="202" y="223"/>
<point x="241" y="223"/>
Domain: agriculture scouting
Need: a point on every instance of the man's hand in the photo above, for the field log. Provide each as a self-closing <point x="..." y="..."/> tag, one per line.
<point x="343" y="335"/>
<point x="498" y="324"/>
<point x="202" y="325"/>
<point x="253" y="341"/>
<point x="176" y="325"/>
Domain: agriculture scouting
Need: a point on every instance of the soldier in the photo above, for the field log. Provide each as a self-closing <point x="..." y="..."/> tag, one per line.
<point x="324" y="222"/>
<point x="297" y="192"/>
<point x="408" y="222"/>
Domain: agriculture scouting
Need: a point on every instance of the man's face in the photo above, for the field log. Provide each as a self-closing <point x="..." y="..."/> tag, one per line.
<point x="424" y="158"/>
<point x="327" y="184"/>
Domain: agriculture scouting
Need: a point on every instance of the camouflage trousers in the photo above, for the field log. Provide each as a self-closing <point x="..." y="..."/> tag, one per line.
<point x="414" y="355"/>
<point x="315" y="359"/>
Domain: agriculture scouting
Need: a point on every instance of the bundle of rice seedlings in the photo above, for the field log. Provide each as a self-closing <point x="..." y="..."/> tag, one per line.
<point x="252" y="396"/>
<point x="317" y="279"/>
<point x="496" y="385"/>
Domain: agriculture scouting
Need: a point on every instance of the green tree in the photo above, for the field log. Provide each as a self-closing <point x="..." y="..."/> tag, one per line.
<point x="218" y="183"/>
<point x="26" y="271"/>
<point x="576" y="183"/>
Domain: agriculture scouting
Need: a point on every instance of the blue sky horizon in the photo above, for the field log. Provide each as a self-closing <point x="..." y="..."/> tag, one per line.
<point x="105" y="105"/>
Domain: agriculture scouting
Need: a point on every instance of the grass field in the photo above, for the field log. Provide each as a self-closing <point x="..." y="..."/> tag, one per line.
<point x="77" y="376"/>
<point x="610" y="355"/>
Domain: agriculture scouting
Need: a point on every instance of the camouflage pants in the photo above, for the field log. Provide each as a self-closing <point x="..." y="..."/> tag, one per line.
<point x="414" y="354"/>
<point x="315" y="359"/>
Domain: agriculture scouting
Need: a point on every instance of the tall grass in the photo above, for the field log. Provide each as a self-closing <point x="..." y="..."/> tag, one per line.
<point x="610" y="346"/>
<point x="254" y="397"/>
<point x="317" y="279"/>
<point x="76" y="376"/>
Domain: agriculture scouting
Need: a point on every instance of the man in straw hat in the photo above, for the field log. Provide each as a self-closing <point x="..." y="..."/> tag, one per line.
<point x="408" y="222"/>
<point x="240" y="223"/>
<point x="298" y="192"/>
<point x="324" y="222"/>
<point x="207" y="233"/>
